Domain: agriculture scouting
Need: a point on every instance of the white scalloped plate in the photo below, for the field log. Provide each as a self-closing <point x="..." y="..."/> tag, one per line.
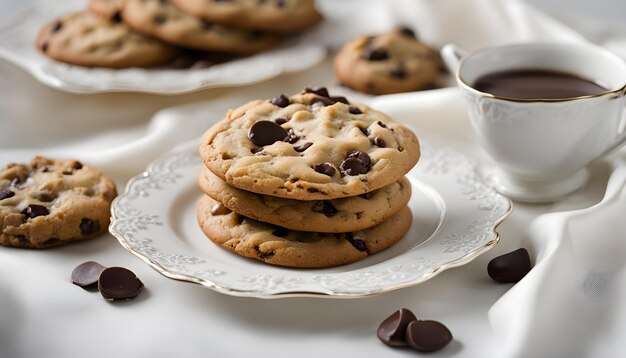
<point x="20" y="22"/>
<point x="455" y="216"/>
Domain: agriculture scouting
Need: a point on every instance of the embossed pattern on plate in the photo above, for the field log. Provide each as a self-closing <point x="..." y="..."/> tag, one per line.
<point x="455" y="216"/>
<point x="22" y="22"/>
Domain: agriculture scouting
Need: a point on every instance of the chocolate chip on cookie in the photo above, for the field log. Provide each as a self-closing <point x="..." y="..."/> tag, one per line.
<point x="325" y="168"/>
<point x="356" y="163"/>
<point x="265" y="133"/>
<point x="280" y="101"/>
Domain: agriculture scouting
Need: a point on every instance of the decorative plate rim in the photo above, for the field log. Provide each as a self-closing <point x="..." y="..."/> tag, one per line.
<point x="150" y="170"/>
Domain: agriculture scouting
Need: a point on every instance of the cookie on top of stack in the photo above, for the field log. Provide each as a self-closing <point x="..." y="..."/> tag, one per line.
<point x="310" y="180"/>
<point x="146" y="33"/>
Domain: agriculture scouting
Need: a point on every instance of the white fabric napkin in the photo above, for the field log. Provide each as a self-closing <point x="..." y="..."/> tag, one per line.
<point x="573" y="303"/>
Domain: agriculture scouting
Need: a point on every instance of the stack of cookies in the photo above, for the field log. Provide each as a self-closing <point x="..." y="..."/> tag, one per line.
<point x="309" y="180"/>
<point x="145" y="33"/>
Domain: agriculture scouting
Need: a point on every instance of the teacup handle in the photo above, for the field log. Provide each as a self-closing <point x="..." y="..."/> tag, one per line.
<point x="452" y="56"/>
<point x="621" y="138"/>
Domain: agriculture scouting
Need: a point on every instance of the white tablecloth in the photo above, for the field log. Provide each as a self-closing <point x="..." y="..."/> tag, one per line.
<point x="42" y="314"/>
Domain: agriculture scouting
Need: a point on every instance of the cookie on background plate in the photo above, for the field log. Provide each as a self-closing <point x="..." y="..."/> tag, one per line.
<point x="393" y="62"/>
<point x="338" y="215"/>
<point x="87" y="40"/>
<point x="311" y="146"/>
<point x="163" y="20"/>
<point x="51" y="202"/>
<point x="268" y="15"/>
<point x="278" y="246"/>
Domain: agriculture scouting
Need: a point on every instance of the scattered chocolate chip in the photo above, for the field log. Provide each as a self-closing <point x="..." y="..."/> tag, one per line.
<point x="44" y="47"/>
<point x="356" y="163"/>
<point x="376" y="54"/>
<point x="381" y="124"/>
<point x="427" y="336"/>
<point x="399" y="72"/>
<point x="57" y="26"/>
<point x="302" y="147"/>
<point x="379" y="142"/>
<point x="320" y="91"/>
<point x="281" y="121"/>
<point x="5" y="194"/>
<point x="220" y="209"/>
<point x="325" y="168"/>
<point x="280" y="232"/>
<point x="392" y="331"/>
<point x="356" y="242"/>
<point x="118" y="283"/>
<point x="34" y="210"/>
<point x="291" y="137"/>
<point x="86" y="274"/>
<point x="340" y="99"/>
<point x="280" y="101"/>
<point x="117" y="17"/>
<point x="88" y="226"/>
<point x="325" y="208"/>
<point x="354" y="110"/>
<point x="406" y="31"/>
<point x="511" y="267"/>
<point x="265" y="133"/>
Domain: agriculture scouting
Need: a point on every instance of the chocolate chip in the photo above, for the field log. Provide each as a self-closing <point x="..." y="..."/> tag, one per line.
<point x="34" y="210"/>
<point x="88" y="226"/>
<point x="291" y="137"/>
<point x="281" y="120"/>
<point x="220" y="209"/>
<point x="511" y="267"/>
<point x="379" y="142"/>
<point x="266" y="133"/>
<point x="322" y="102"/>
<point x="406" y="31"/>
<point x="77" y="165"/>
<point x="358" y="244"/>
<point x="256" y="150"/>
<point x="325" y="208"/>
<point x="381" y="124"/>
<point x="320" y="91"/>
<point x="325" y="168"/>
<point x="356" y="163"/>
<point x="159" y="19"/>
<point x="44" y="47"/>
<point x="392" y="331"/>
<point x="340" y="99"/>
<point x="45" y="196"/>
<point x="57" y="26"/>
<point x="5" y="194"/>
<point x="427" y="336"/>
<point x="117" y="16"/>
<point x="354" y="110"/>
<point x="280" y="232"/>
<point x="86" y="274"/>
<point x="280" y="101"/>
<point x="302" y="147"/>
<point x="376" y="54"/>
<point x="399" y="72"/>
<point x="364" y="131"/>
<point x="118" y="283"/>
<point x="21" y="240"/>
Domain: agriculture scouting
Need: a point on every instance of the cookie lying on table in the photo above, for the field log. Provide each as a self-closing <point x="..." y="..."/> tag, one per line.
<point x="51" y="202"/>
<point x="392" y="62"/>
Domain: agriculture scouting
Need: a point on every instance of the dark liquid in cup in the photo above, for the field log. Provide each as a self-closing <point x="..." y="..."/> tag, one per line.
<point x="536" y="84"/>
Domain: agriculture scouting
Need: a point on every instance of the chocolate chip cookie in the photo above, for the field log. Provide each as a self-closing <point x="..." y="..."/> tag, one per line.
<point x="268" y="15"/>
<point x="87" y="40"/>
<point x="338" y="215"/>
<point x="52" y="202"/>
<point x="163" y="20"/>
<point x="389" y="63"/>
<point x="279" y="246"/>
<point x="311" y="146"/>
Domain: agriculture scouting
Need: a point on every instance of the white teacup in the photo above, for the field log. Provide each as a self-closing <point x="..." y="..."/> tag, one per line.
<point x="541" y="147"/>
